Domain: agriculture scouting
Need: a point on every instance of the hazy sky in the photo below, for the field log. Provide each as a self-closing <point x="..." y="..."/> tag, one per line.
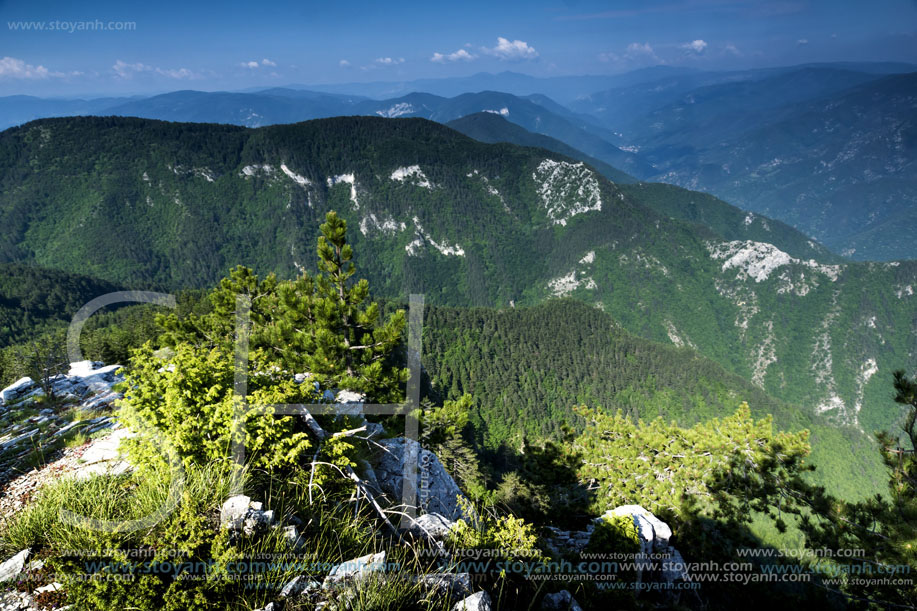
<point x="67" y="48"/>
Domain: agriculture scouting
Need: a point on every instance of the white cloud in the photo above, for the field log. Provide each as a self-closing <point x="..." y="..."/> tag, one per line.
<point x="344" y="63"/>
<point x="180" y="73"/>
<point x="511" y="50"/>
<point x="389" y="61"/>
<point x="256" y="64"/>
<point x="637" y="52"/>
<point x="802" y="41"/>
<point x="460" y="55"/>
<point x="126" y="71"/>
<point x="697" y="46"/>
<point x="10" y="67"/>
<point x="732" y="50"/>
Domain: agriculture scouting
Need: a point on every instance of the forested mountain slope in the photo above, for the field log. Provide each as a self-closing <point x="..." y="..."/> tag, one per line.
<point x="725" y="220"/>
<point x="466" y="223"/>
<point x="528" y="367"/>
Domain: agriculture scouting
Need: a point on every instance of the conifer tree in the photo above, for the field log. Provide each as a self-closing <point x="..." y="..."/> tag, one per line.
<point x="326" y="327"/>
<point x="322" y="325"/>
<point x="882" y="530"/>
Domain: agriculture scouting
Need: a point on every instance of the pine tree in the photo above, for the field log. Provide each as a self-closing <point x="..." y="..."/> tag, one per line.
<point x="325" y="326"/>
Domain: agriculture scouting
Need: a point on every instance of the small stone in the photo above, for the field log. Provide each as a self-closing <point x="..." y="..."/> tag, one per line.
<point x="356" y="568"/>
<point x="298" y="585"/>
<point x="51" y="587"/>
<point x="233" y="511"/>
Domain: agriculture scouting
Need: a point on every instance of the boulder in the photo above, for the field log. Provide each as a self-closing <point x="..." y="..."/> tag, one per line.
<point x="655" y="538"/>
<point x="233" y="510"/>
<point x="661" y="533"/>
<point x="433" y="526"/>
<point x="479" y="601"/>
<point x="437" y="492"/>
<point x="355" y="569"/>
<point x="674" y="569"/>
<point x="561" y="601"/>
<point x="12" y="567"/>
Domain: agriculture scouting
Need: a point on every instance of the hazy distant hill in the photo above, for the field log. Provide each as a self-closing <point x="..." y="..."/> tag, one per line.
<point x="493" y="127"/>
<point x="840" y="168"/>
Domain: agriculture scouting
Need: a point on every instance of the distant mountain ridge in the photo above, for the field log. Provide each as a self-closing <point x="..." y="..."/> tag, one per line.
<point x="842" y="168"/>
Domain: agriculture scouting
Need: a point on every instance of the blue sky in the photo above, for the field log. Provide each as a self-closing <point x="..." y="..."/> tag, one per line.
<point x="152" y="47"/>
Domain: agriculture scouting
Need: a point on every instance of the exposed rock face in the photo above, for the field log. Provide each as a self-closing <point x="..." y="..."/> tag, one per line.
<point x="654" y="532"/>
<point x="437" y="492"/>
<point x="655" y="536"/>
<point x="86" y="380"/>
<point x="15" y="390"/>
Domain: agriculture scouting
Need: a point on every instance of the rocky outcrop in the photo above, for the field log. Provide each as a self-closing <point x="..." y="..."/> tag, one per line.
<point x="566" y="541"/>
<point x="655" y="536"/>
<point x="655" y="542"/>
<point x="432" y="526"/>
<point x="88" y="383"/>
<point x="437" y="492"/>
<point x="84" y="402"/>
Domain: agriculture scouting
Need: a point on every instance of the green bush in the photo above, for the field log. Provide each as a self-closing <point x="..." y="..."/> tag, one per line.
<point x="189" y="401"/>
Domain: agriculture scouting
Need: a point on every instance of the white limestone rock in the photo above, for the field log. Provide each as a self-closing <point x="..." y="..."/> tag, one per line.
<point x="436" y="491"/>
<point x="12" y="567"/>
<point x="479" y="601"/>
<point x="432" y="526"/>
<point x="16" y="390"/>
<point x="355" y="569"/>
<point x="240" y="514"/>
